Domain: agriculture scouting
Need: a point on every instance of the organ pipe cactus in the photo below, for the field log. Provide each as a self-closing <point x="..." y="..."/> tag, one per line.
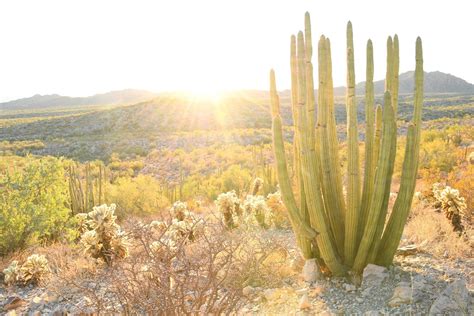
<point x="346" y="232"/>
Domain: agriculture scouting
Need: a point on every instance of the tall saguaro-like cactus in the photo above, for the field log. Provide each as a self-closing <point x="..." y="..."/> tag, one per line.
<point x="345" y="233"/>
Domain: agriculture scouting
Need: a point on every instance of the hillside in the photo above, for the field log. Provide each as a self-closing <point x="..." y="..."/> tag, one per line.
<point x="435" y="82"/>
<point x="127" y="96"/>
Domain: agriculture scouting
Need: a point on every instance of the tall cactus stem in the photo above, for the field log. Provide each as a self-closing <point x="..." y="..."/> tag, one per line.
<point x="353" y="190"/>
<point x="370" y="160"/>
<point x="393" y="231"/>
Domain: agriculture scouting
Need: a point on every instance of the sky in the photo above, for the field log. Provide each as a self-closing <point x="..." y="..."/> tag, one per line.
<point x="84" y="47"/>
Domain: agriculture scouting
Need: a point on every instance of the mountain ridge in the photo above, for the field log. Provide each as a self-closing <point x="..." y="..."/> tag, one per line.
<point x="436" y="82"/>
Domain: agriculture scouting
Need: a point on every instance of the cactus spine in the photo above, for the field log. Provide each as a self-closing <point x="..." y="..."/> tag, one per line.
<point x="352" y="237"/>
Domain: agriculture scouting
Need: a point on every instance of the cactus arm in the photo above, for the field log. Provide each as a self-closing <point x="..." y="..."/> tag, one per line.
<point x="327" y="140"/>
<point x="304" y="243"/>
<point x="309" y="166"/>
<point x="353" y="190"/>
<point x="333" y="140"/>
<point x="395" y="71"/>
<point x="377" y="134"/>
<point x="381" y="178"/>
<point x="288" y="198"/>
<point x="401" y="209"/>
<point x="389" y="72"/>
<point x="370" y="161"/>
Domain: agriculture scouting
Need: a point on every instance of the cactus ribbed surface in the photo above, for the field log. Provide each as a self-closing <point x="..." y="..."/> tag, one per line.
<point x="345" y="232"/>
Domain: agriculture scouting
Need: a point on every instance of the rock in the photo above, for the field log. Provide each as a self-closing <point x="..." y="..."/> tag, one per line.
<point x="453" y="300"/>
<point x="248" y="291"/>
<point x="13" y="302"/>
<point x="311" y="271"/>
<point x="408" y="250"/>
<point x="304" y="302"/>
<point x="349" y="287"/>
<point x="372" y="313"/>
<point x="401" y="295"/>
<point x="374" y="275"/>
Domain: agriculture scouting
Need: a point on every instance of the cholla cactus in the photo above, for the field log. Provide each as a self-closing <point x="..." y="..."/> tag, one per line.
<point x="81" y="219"/>
<point x="178" y="210"/>
<point x="256" y="186"/>
<point x="470" y="158"/>
<point x="185" y="226"/>
<point x="157" y="225"/>
<point x="277" y="209"/>
<point x="453" y="206"/>
<point x="34" y="269"/>
<point x="256" y="207"/>
<point x="104" y="239"/>
<point x="227" y="204"/>
<point x="11" y="273"/>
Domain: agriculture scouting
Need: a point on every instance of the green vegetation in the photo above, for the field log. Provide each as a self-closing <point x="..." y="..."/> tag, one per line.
<point x="33" y="204"/>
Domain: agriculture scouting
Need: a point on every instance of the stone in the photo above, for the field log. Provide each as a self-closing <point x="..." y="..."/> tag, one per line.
<point x="374" y="275"/>
<point x="311" y="271"/>
<point x="407" y="250"/>
<point x="402" y="294"/>
<point x="372" y="313"/>
<point x="304" y="302"/>
<point x="453" y="300"/>
<point x="349" y="287"/>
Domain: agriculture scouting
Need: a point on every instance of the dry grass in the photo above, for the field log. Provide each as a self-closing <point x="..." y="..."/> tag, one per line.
<point x="425" y="225"/>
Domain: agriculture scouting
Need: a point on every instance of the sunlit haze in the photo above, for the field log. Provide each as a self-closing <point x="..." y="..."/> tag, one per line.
<point x="80" y="48"/>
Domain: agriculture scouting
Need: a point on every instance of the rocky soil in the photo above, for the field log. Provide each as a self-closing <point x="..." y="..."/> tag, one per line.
<point x="417" y="284"/>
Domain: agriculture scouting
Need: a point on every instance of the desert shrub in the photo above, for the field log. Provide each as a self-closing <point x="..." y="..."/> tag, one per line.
<point x="462" y="178"/>
<point x="139" y="196"/>
<point x="187" y="277"/>
<point x="33" y="205"/>
<point x="103" y="238"/>
<point x="432" y="229"/>
<point x="32" y="271"/>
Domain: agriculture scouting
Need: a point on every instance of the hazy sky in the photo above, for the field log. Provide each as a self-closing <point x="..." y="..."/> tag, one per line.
<point x="84" y="47"/>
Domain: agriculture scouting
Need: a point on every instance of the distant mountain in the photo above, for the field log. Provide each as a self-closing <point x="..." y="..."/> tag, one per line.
<point x="128" y="96"/>
<point x="436" y="82"/>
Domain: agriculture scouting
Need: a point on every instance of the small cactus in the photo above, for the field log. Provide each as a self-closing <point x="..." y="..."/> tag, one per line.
<point x="452" y="204"/>
<point x="11" y="273"/>
<point x="34" y="269"/>
<point x="256" y="208"/>
<point x="178" y="209"/>
<point x="227" y="204"/>
<point x="277" y="209"/>
<point x="104" y="239"/>
<point x="256" y="186"/>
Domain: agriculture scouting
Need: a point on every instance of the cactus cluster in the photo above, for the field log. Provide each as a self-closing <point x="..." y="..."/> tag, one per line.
<point x="451" y="203"/>
<point x="184" y="227"/>
<point x="103" y="239"/>
<point x="87" y="192"/>
<point x="345" y="231"/>
<point x="32" y="271"/>
<point x="254" y="210"/>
